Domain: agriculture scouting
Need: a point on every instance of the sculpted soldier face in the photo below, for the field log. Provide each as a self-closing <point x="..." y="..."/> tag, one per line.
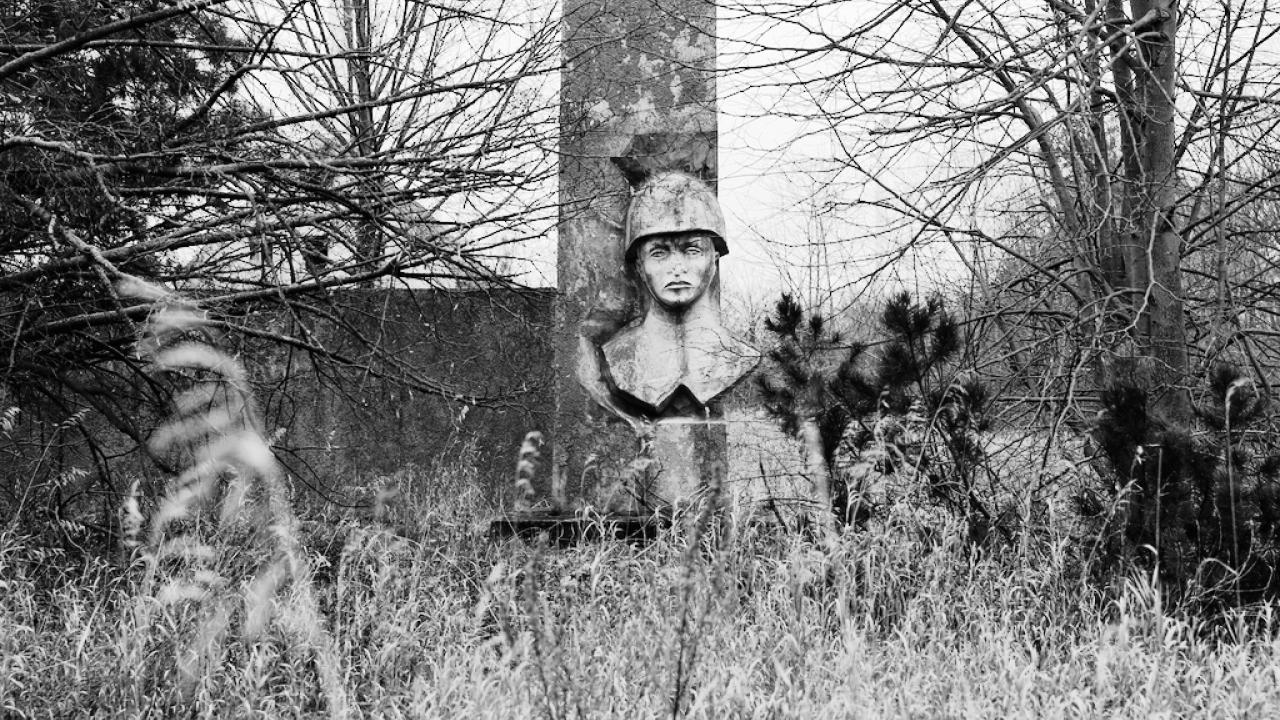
<point x="677" y="268"/>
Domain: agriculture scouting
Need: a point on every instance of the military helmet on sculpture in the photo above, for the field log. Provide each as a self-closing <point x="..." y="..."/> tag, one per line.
<point x="672" y="202"/>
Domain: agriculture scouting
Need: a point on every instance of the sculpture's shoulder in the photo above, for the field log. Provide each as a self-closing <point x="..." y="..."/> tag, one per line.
<point x="714" y="373"/>
<point x="621" y="349"/>
<point x="641" y="366"/>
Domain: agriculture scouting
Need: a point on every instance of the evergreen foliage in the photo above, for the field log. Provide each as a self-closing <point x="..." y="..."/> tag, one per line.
<point x="910" y="415"/>
<point x="1200" y="504"/>
<point x="147" y="94"/>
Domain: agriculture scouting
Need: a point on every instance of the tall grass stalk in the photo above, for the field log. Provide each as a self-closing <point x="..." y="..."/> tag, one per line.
<point x="223" y="540"/>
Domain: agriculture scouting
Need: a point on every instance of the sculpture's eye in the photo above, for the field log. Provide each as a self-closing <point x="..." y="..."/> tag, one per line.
<point x="657" y="251"/>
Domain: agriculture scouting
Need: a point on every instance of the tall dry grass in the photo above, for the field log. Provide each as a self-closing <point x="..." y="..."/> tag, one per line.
<point x="428" y="618"/>
<point x="230" y="605"/>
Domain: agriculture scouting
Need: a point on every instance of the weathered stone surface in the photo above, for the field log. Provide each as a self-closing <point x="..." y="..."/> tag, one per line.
<point x="691" y="455"/>
<point x="342" y="423"/>
<point x="766" y="466"/>
<point x="638" y="80"/>
<point x="678" y="358"/>
<point x="333" y="426"/>
<point x="655" y="362"/>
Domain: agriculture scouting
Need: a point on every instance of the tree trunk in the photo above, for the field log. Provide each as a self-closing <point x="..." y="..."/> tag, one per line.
<point x="359" y="33"/>
<point x="816" y="466"/>
<point x="1156" y="276"/>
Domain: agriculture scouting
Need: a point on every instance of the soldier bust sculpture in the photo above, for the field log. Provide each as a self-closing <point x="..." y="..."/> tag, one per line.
<point x="678" y="357"/>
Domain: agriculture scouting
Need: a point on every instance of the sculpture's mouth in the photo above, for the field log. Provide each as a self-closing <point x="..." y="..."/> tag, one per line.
<point x="679" y="285"/>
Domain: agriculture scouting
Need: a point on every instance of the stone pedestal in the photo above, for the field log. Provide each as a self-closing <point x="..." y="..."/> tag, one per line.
<point x="689" y="458"/>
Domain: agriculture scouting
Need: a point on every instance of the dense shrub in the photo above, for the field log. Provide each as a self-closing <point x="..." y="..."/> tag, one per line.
<point x="912" y="413"/>
<point x="1199" y="502"/>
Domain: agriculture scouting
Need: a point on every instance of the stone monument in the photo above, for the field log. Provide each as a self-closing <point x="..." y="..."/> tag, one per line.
<point x="664" y="372"/>
<point x="679" y="357"/>
<point x="638" y="86"/>
<point x="641" y="359"/>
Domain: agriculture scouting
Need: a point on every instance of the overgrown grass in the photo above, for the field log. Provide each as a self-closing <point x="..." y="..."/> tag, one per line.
<point x="429" y="618"/>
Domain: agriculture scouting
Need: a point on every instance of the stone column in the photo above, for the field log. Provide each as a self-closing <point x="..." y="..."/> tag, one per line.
<point x="633" y="69"/>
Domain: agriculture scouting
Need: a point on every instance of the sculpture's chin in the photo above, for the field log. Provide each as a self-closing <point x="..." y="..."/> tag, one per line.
<point x="676" y="306"/>
<point x="677" y="301"/>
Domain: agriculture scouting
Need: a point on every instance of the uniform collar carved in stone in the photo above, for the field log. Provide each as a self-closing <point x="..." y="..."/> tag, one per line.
<point x="656" y="362"/>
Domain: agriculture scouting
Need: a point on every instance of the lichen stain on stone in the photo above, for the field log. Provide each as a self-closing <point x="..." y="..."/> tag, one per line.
<point x="643" y="112"/>
<point x="582" y="264"/>
<point x="649" y="67"/>
<point x="691" y="47"/>
<point x="600" y="112"/>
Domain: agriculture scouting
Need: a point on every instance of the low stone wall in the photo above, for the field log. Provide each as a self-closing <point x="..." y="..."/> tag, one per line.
<point x="335" y="426"/>
<point x="342" y="423"/>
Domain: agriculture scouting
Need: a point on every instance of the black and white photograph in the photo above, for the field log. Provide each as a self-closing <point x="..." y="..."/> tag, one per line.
<point x="640" y="359"/>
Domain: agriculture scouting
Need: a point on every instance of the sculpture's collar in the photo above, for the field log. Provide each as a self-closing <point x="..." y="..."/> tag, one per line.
<point x="650" y="362"/>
